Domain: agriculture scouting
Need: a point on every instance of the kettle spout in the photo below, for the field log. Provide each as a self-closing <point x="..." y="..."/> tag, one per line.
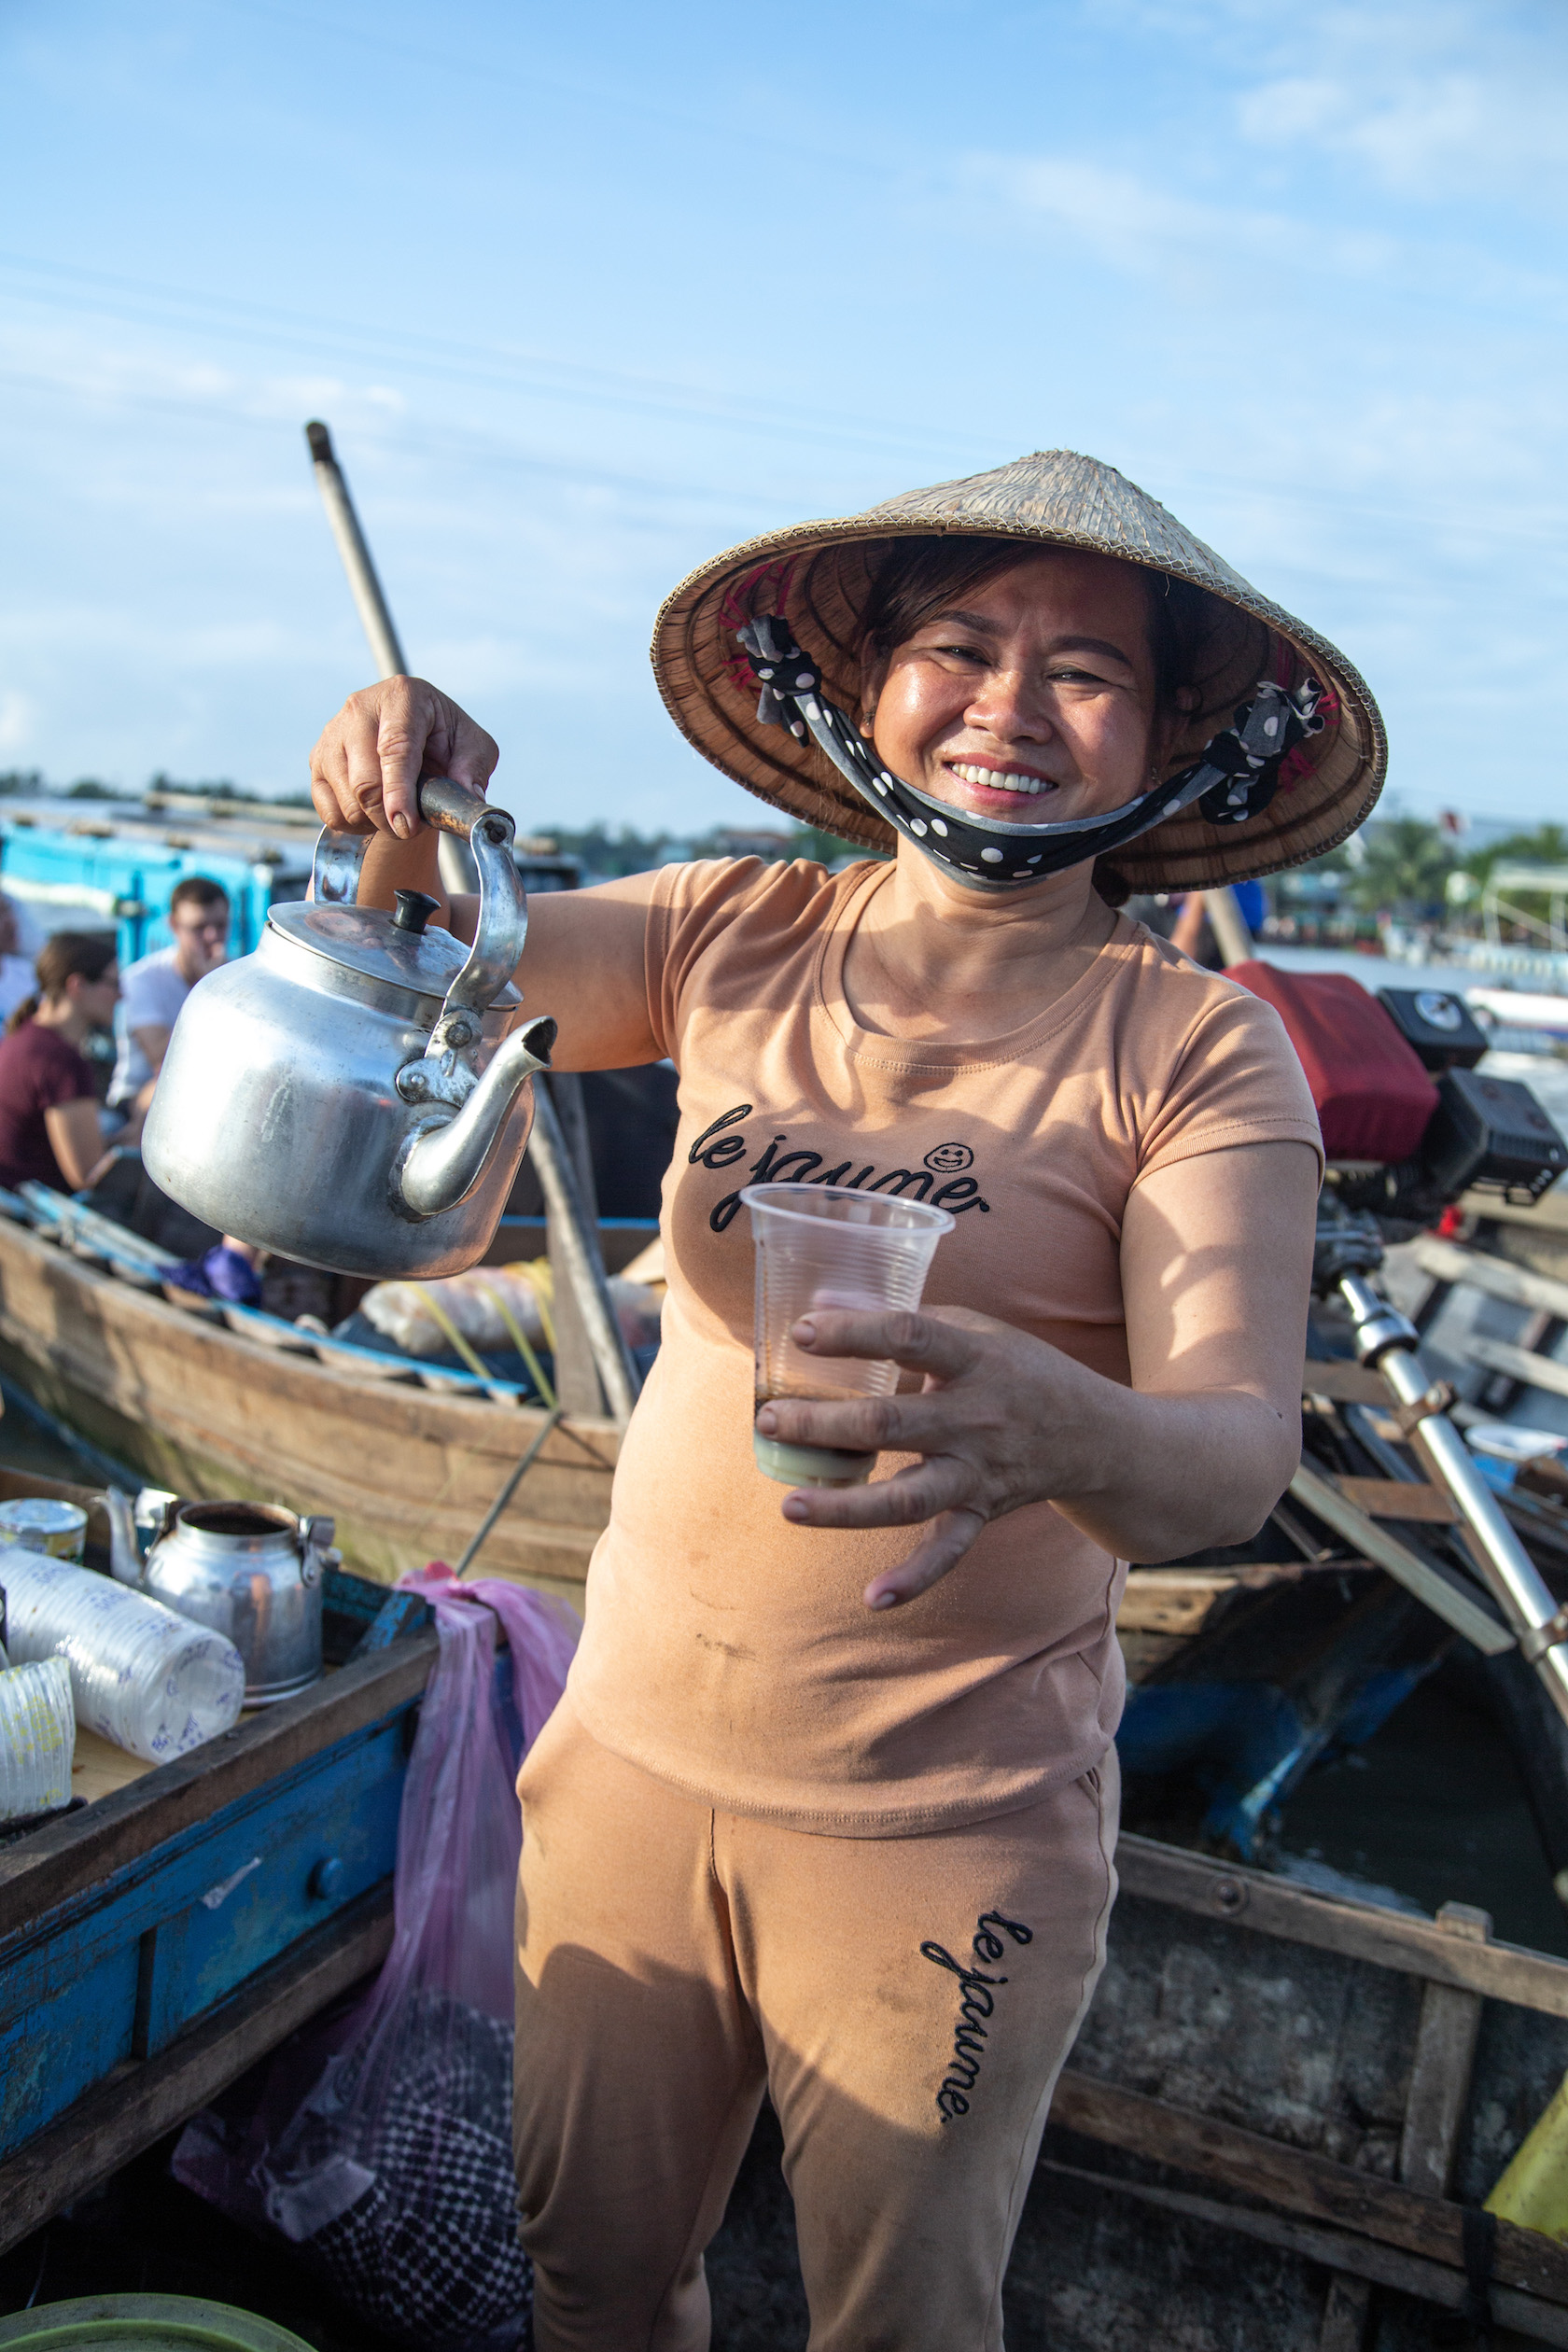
<point x="440" y="1166"/>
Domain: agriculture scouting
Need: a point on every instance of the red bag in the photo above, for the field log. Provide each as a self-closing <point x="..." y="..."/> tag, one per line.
<point x="1374" y="1098"/>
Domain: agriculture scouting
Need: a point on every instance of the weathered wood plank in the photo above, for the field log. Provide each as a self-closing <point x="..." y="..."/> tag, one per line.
<point x="83" y="1848"/>
<point x="1172" y="1600"/>
<point x="1535" y="1371"/>
<point x="1442" y="1596"/>
<point x="1401" y="1499"/>
<point x="1179" y="1599"/>
<point x="1342" y="1383"/>
<point x="1440" y="2070"/>
<point x="1368" y="2262"/>
<point x="1499" y="1277"/>
<point x="1301" y="2182"/>
<point x="1390" y="1940"/>
<point x="141" y="2101"/>
<point x="1349" y="2300"/>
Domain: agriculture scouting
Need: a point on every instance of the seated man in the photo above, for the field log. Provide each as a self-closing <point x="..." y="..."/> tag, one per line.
<point x="153" y="988"/>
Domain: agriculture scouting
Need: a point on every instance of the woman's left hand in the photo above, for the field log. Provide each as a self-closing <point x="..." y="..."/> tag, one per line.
<point x="1001" y="1420"/>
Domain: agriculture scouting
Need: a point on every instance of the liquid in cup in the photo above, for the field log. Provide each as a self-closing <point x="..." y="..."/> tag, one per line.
<point x="822" y="1246"/>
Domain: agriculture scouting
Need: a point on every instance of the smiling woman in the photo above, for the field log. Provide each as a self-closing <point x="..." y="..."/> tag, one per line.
<point x="809" y="1749"/>
<point x="928" y="590"/>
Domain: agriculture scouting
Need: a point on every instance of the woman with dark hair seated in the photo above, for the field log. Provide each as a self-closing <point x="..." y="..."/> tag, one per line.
<point x="49" y="1130"/>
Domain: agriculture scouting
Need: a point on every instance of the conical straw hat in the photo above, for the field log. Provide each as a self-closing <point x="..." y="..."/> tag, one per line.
<point x="818" y="576"/>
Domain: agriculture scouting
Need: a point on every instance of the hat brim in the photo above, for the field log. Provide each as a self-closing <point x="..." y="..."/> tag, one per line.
<point x="818" y="575"/>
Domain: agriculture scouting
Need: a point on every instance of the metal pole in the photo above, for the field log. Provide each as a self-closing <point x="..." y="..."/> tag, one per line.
<point x="580" y="1247"/>
<point x="385" y="651"/>
<point x="1228" y="925"/>
<point x="1386" y="1339"/>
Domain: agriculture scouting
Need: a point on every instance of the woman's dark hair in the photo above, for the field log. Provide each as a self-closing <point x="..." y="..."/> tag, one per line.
<point x="65" y="956"/>
<point x="920" y="577"/>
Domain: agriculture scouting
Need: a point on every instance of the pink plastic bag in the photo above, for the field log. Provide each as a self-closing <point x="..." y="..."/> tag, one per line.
<point x="381" y="2144"/>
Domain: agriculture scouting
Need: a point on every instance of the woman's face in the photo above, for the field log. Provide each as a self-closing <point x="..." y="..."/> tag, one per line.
<point x="97" y="997"/>
<point x="1032" y="699"/>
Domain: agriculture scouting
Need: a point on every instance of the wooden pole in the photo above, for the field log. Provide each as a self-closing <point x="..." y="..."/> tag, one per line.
<point x="386" y="649"/>
<point x="573" y="1232"/>
<point x="459" y="871"/>
<point x="1228" y="925"/>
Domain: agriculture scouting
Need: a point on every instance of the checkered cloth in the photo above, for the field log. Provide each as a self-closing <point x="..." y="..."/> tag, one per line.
<point x="429" y="2254"/>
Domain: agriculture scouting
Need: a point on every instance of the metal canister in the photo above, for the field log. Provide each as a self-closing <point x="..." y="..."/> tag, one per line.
<point x="39" y="1523"/>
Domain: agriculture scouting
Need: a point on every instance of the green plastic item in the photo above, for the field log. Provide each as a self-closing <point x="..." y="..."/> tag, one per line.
<point x="143" y="2323"/>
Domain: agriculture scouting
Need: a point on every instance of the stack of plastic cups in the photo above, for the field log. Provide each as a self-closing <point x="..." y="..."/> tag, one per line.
<point x="38" y="1740"/>
<point x="830" y="1246"/>
<point x="150" y="1681"/>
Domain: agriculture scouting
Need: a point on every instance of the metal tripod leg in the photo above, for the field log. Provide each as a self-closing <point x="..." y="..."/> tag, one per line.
<point x="1386" y="1339"/>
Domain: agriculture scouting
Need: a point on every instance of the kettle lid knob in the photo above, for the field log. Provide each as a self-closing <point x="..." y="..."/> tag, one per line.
<point x="415" y="909"/>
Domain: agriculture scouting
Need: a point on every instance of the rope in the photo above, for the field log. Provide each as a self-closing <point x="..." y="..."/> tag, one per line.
<point x="449" y="1331"/>
<point x="520" y="1340"/>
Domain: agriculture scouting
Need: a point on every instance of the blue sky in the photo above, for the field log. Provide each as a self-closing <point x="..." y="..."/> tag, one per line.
<point x="588" y="294"/>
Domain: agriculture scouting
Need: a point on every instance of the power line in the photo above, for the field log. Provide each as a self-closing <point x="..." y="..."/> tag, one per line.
<point x="545" y="374"/>
<point x="447" y="440"/>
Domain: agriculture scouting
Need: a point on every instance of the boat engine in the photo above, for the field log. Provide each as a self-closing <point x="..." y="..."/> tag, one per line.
<point x="1408" y="1121"/>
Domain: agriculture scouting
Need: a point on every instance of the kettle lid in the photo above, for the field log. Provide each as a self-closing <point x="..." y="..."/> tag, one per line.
<point x="367" y="940"/>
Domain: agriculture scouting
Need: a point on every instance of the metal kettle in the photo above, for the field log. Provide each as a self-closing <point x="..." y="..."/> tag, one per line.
<point x="356" y="1094"/>
<point x="254" y="1571"/>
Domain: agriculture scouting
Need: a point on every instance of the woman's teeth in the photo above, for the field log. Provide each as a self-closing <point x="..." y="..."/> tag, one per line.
<point x="995" y="780"/>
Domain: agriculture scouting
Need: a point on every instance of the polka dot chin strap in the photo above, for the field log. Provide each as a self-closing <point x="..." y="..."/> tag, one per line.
<point x="1235" y="776"/>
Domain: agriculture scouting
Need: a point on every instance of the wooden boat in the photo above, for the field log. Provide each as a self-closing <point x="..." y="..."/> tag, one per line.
<point x="1278" y="2127"/>
<point x="230" y="1402"/>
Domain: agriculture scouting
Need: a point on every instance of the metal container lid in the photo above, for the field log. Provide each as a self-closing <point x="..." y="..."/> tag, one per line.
<point x="369" y="941"/>
<point x="44" y="1511"/>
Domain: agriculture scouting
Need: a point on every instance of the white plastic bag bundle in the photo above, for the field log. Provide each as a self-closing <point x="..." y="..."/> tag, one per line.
<point x="419" y="1317"/>
<point x="38" y="1739"/>
<point x="414" y="1316"/>
<point x="148" y="1680"/>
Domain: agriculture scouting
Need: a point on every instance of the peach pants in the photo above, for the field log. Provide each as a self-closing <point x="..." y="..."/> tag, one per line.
<point x="908" y="2002"/>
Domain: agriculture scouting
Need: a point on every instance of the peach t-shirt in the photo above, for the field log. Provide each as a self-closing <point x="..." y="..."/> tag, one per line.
<point x="730" y="1653"/>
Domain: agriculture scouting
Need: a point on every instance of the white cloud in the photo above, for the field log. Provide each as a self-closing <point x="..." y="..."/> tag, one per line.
<point x="1436" y="102"/>
<point x="1144" y="225"/>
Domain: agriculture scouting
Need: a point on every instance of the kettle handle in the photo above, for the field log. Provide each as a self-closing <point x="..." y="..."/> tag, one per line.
<point x="340" y="856"/>
<point x="503" y="908"/>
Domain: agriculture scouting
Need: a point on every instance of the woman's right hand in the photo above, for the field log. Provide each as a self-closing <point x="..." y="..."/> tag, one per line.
<point x="367" y="766"/>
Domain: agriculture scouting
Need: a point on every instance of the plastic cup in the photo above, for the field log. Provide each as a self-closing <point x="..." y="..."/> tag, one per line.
<point x="828" y="1245"/>
<point x="38" y="1739"/>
